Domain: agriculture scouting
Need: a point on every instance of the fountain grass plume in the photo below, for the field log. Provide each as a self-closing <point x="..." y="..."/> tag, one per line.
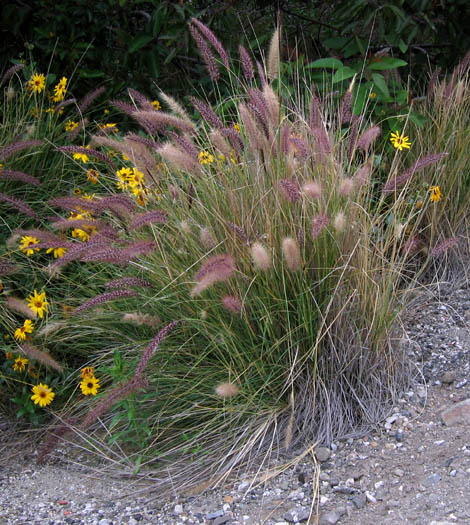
<point x="161" y="121"/>
<point x="176" y="107"/>
<point x="89" y="98"/>
<point x="444" y="246"/>
<point x="144" y="102"/>
<point x="274" y="55"/>
<point x="18" y="205"/>
<point x="319" y="223"/>
<point x="247" y="64"/>
<point x="290" y="190"/>
<point x="115" y="395"/>
<point x="260" y="256"/>
<point x="213" y="40"/>
<point x="10" y="72"/>
<point x="291" y="253"/>
<point x="217" y="268"/>
<point x="231" y="304"/>
<point x="365" y="141"/>
<point x="150" y="217"/>
<point x="105" y="298"/>
<point x="152" y="347"/>
<point x="207" y="113"/>
<point x="19" y="176"/>
<point x="206" y="53"/>
<point x="39" y="355"/>
<point x="19" y="305"/>
<point x="399" y="181"/>
<point x="125" y="282"/>
<point x="16" y="146"/>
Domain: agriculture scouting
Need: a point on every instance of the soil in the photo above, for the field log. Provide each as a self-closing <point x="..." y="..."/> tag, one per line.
<point x="412" y="468"/>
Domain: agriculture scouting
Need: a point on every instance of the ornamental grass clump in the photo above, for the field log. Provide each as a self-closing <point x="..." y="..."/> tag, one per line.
<point x="260" y="233"/>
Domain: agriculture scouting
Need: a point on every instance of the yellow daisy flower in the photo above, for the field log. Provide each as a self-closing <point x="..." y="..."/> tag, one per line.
<point x="205" y="157"/>
<point x="90" y="385"/>
<point x="92" y="176"/>
<point x="236" y="127"/>
<point x="399" y="141"/>
<point x="27" y="328"/>
<point x="111" y="127"/>
<point x="81" y="156"/>
<point x="38" y="303"/>
<point x="436" y="194"/>
<point x="59" y="90"/>
<point x="26" y="245"/>
<point x="70" y="125"/>
<point x="20" y="364"/>
<point x="37" y="82"/>
<point x="156" y="105"/>
<point x="42" y="395"/>
<point x="58" y="252"/>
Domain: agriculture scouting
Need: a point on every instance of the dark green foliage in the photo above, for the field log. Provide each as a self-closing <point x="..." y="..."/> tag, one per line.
<point x="136" y="43"/>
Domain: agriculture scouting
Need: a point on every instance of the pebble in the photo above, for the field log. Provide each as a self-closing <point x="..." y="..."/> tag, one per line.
<point x="322" y="454"/>
<point x="329" y="518"/>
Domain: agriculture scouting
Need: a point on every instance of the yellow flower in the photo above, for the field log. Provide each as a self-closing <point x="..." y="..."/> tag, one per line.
<point x="125" y="157"/>
<point x="236" y="127"/>
<point x="38" y="303"/>
<point x="27" y="328"/>
<point x="205" y="157"/>
<point x="92" y="176"/>
<point x="372" y="95"/>
<point x="37" y="82"/>
<point x="25" y="245"/>
<point x="42" y="395"/>
<point x="90" y="385"/>
<point x="419" y="204"/>
<point x="135" y="178"/>
<point x="58" y="252"/>
<point x="88" y="371"/>
<point x="106" y="111"/>
<point x="156" y="105"/>
<point x="77" y="191"/>
<point x="83" y="235"/>
<point x="436" y="194"/>
<point x="399" y="141"/>
<point x="20" y="364"/>
<point x="111" y="126"/>
<point x="59" y="90"/>
<point x="70" y="125"/>
<point x="81" y="156"/>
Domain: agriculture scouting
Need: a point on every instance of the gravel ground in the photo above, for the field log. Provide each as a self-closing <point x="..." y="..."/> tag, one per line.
<point x="414" y="468"/>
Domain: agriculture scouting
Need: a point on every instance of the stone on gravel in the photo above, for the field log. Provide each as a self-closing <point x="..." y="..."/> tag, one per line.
<point x="322" y="454"/>
<point x="329" y="518"/>
<point x="359" y="501"/>
<point x="448" y="377"/>
<point x="458" y="413"/>
<point x="221" y="520"/>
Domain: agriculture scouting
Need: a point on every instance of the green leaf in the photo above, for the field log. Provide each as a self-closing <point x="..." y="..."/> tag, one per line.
<point x="332" y="63"/>
<point x="418" y="119"/>
<point x="403" y="47"/>
<point x="336" y="42"/>
<point x="343" y="74"/>
<point x="139" y="42"/>
<point x="380" y="84"/>
<point x="91" y="73"/>
<point x="360" y="99"/>
<point x="387" y="63"/>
